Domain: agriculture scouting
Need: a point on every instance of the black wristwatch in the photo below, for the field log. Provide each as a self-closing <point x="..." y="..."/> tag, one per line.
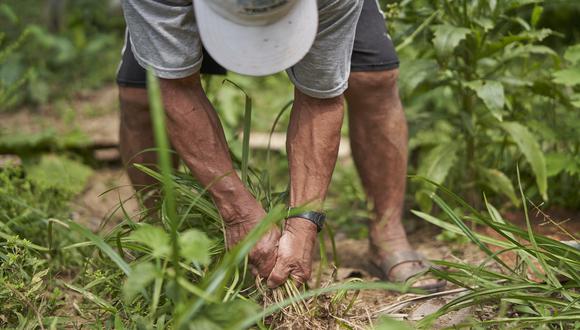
<point x="317" y="218"/>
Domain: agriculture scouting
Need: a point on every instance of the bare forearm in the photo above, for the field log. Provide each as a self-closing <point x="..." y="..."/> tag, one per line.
<point x="197" y="135"/>
<point x="312" y="145"/>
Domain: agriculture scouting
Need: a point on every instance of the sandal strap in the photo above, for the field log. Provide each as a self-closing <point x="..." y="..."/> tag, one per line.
<point x="317" y="218"/>
<point x="400" y="257"/>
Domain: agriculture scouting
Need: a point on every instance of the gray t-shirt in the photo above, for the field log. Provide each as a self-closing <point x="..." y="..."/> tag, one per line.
<point x="164" y="36"/>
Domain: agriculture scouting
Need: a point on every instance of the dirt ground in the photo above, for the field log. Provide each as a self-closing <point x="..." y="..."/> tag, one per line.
<point x="96" y="114"/>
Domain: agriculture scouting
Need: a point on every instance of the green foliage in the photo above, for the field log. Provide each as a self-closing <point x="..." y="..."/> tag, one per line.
<point x="482" y="90"/>
<point x="24" y="282"/>
<point x="531" y="149"/>
<point x="9" y="88"/>
<point x="491" y="93"/>
<point x="30" y="197"/>
<point x="30" y="144"/>
<point x="540" y="287"/>
<point x="32" y="194"/>
<point x="447" y="38"/>
<point x="478" y="86"/>
<point x="58" y="173"/>
<point x="40" y="62"/>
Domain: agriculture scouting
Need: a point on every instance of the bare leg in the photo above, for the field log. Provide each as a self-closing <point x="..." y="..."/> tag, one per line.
<point x="378" y="135"/>
<point x="312" y="146"/>
<point x="197" y="135"/>
<point x="136" y="135"/>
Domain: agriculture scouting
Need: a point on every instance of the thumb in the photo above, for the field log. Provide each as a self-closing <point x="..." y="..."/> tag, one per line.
<point x="278" y="275"/>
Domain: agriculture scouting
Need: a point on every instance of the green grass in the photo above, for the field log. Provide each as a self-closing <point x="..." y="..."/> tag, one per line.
<point x="171" y="268"/>
<point x="540" y="289"/>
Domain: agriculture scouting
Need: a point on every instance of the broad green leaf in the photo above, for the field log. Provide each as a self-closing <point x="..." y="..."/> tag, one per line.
<point x="500" y="183"/>
<point x="526" y="36"/>
<point x="413" y="73"/>
<point x="447" y="37"/>
<point x="491" y="93"/>
<point x="228" y="315"/>
<point x="515" y="82"/>
<point x="536" y="15"/>
<point x="572" y="54"/>
<point x="231" y="313"/>
<point x="141" y="275"/>
<point x="486" y="23"/>
<point x="512" y="4"/>
<point x="154" y="237"/>
<point x="194" y="246"/>
<point x="559" y="162"/>
<point x="556" y="163"/>
<point x="423" y="199"/>
<point x="513" y="51"/>
<point x="8" y="13"/>
<point x="436" y="164"/>
<point x="521" y="22"/>
<point x="568" y="77"/>
<point x="576" y="100"/>
<point x="531" y="150"/>
<point x="431" y="138"/>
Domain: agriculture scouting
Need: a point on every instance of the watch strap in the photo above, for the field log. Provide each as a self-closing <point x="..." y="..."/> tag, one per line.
<point x="317" y="218"/>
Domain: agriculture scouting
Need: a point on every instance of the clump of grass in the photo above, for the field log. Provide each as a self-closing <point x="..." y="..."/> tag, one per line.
<point x="320" y="311"/>
<point x="540" y="289"/>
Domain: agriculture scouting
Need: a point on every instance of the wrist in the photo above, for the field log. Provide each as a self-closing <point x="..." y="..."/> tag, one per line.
<point x="300" y="226"/>
<point x="317" y="218"/>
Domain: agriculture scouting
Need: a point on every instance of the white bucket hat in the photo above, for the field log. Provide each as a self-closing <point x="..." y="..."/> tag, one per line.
<point x="257" y="37"/>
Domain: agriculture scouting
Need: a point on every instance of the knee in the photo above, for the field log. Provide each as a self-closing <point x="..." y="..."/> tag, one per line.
<point x="382" y="82"/>
<point x="307" y="102"/>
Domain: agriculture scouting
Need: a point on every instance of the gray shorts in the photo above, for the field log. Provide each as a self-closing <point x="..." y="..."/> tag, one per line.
<point x="164" y="37"/>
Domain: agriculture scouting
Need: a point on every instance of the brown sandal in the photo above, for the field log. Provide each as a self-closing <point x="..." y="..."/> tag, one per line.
<point x="402" y="257"/>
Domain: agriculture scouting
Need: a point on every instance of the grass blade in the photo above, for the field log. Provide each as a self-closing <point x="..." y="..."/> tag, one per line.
<point x="165" y="164"/>
<point x="102" y="245"/>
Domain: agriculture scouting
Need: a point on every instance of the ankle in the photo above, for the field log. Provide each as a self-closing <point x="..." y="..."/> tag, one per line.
<point x="383" y="247"/>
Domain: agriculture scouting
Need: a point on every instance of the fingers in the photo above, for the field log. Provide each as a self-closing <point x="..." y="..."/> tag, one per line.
<point x="266" y="265"/>
<point x="300" y="275"/>
<point x="264" y="255"/>
<point x="278" y="275"/>
<point x="253" y="270"/>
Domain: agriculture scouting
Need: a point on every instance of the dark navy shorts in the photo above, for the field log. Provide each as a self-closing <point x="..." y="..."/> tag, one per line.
<point x="373" y="51"/>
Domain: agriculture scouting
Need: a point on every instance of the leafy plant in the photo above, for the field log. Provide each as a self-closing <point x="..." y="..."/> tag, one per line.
<point x="478" y="86"/>
<point x="40" y="64"/>
<point x="9" y="88"/>
<point x="539" y="288"/>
